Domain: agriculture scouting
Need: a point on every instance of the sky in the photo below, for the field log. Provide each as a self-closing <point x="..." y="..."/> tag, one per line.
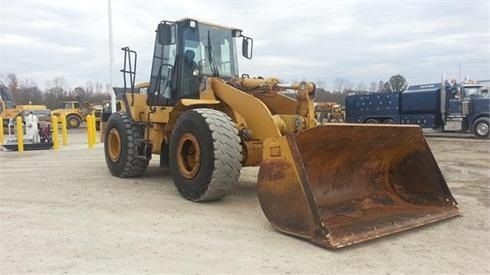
<point x="320" y="41"/>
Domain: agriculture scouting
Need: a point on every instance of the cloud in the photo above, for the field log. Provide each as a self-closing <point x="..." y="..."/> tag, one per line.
<point x="315" y="40"/>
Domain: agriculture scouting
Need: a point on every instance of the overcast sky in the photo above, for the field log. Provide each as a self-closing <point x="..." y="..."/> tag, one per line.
<point x="293" y="40"/>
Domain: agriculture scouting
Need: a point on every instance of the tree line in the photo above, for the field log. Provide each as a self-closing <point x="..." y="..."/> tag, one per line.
<point x="343" y="87"/>
<point x="28" y="92"/>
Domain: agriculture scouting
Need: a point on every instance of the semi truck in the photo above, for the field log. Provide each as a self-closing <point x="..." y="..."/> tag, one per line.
<point x="450" y="108"/>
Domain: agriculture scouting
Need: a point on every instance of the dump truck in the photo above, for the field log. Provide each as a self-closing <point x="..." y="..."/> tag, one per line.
<point x="335" y="184"/>
<point x="447" y="108"/>
<point x="329" y="112"/>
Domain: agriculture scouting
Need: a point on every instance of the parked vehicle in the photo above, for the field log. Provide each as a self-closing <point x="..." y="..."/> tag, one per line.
<point x="334" y="184"/>
<point x="329" y="112"/>
<point x="459" y="108"/>
<point x="74" y="111"/>
<point x="10" y="110"/>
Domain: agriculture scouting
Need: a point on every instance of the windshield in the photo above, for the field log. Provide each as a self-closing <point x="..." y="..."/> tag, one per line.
<point x="472" y="91"/>
<point x="214" y="50"/>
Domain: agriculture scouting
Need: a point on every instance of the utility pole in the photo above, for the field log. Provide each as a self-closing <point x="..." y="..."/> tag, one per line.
<point x="111" y="58"/>
<point x="459" y="78"/>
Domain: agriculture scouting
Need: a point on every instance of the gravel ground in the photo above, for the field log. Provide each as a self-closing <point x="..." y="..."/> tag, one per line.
<point x="62" y="212"/>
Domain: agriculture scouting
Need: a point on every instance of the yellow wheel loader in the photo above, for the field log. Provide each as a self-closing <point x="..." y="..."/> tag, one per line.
<point x="335" y="185"/>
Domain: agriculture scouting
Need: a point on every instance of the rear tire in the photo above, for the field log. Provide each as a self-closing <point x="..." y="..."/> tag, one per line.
<point x="389" y="121"/>
<point x="121" y="142"/>
<point x="73" y="121"/>
<point x="205" y="155"/>
<point x="480" y="127"/>
<point x="371" y="121"/>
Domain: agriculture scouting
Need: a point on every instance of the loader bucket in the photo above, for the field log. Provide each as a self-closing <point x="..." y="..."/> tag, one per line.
<point x="342" y="184"/>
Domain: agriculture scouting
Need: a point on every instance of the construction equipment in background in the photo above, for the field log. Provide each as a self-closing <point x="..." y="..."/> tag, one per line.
<point x="99" y="109"/>
<point x="36" y="134"/>
<point x="335" y="184"/>
<point x="442" y="106"/>
<point x="74" y="111"/>
<point x="329" y="112"/>
<point x="9" y="110"/>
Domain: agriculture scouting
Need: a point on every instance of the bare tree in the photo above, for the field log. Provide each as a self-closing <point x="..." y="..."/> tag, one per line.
<point x="342" y="84"/>
<point x="397" y="83"/>
<point x="373" y="86"/>
<point x="381" y="86"/>
<point x="56" y="92"/>
<point x="13" y="86"/>
<point x="29" y="93"/>
<point x="361" y="87"/>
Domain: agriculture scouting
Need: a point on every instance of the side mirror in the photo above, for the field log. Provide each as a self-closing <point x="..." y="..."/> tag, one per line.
<point x="247" y="47"/>
<point x="164" y="34"/>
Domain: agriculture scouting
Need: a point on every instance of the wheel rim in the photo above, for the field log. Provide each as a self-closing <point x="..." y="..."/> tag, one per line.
<point x="114" y="142"/>
<point x="389" y="121"/>
<point x="188" y="156"/>
<point x="482" y="129"/>
<point x="73" y="122"/>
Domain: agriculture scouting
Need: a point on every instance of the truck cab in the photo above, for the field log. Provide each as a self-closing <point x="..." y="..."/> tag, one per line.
<point x="468" y="109"/>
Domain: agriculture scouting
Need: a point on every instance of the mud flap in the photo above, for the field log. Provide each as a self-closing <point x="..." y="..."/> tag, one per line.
<point x="342" y="184"/>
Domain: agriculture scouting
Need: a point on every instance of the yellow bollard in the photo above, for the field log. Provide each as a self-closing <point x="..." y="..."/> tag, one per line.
<point x="94" y="131"/>
<point x="89" y="131"/>
<point x="20" y="134"/>
<point x="1" y="130"/>
<point x="64" y="133"/>
<point x="56" y="142"/>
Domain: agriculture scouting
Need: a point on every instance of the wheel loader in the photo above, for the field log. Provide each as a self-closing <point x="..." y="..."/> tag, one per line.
<point x="335" y="184"/>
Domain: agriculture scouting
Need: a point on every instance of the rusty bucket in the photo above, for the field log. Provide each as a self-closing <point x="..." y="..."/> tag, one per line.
<point x="342" y="184"/>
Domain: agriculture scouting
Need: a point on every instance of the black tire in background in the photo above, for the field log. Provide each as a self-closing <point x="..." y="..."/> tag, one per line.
<point x="371" y="121"/>
<point x="205" y="155"/>
<point x="73" y="121"/>
<point x="121" y="147"/>
<point x="480" y="127"/>
<point x="389" y="121"/>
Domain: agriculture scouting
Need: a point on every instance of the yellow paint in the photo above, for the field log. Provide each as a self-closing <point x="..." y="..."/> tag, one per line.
<point x="64" y="133"/>
<point x="255" y="112"/>
<point x="54" y="122"/>
<point x="20" y="134"/>
<point x="88" y="118"/>
<point x="94" y="130"/>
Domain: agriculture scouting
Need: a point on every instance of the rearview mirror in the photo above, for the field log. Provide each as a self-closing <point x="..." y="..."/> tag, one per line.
<point x="165" y="34"/>
<point x="247" y="47"/>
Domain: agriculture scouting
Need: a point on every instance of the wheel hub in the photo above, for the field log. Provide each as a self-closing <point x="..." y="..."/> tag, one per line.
<point x="482" y="129"/>
<point x="73" y="122"/>
<point x="114" y="145"/>
<point x="188" y="155"/>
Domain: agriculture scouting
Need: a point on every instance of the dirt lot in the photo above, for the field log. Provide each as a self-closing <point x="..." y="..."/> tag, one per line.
<point x="62" y="212"/>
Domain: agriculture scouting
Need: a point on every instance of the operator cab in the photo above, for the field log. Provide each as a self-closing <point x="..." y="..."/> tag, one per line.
<point x="188" y="51"/>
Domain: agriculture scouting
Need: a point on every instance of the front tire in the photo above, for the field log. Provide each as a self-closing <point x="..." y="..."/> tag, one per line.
<point x="73" y="121"/>
<point x="121" y="142"/>
<point x="205" y="155"/>
<point x="480" y="127"/>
